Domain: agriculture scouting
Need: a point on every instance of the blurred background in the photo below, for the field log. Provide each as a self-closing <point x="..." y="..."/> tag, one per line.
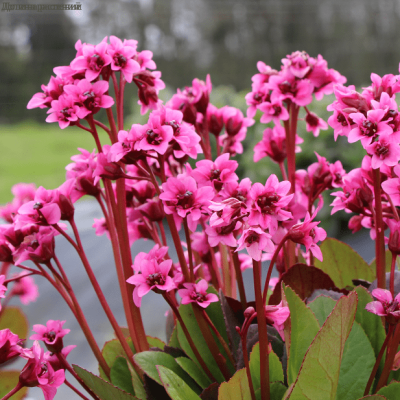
<point x="189" y="38"/>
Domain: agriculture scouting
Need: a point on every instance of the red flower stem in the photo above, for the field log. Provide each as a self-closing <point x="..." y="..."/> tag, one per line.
<point x="188" y="337"/>
<point x="79" y="125"/>
<point x="162" y="230"/>
<point x="380" y="234"/>
<point x="239" y="277"/>
<point x="206" y="136"/>
<point x="102" y="126"/>
<point x="72" y="387"/>
<point x="13" y="391"/>
<point x="215" y="276"/>
<point x="18" y="277"/>
<point x="74" y="306"/>
<point x="113" y="130"/>
<point x="173" y="230"/>
<point x="217" y="146"/>
<point x="271" y="265"/>
<point x="118" y="263"/>
<point x="4" y="268"/>
<point x="68" y="367"/>
<point x="226" y="273"/>
<point x="115" y="83"/>
<point x="211" y="343"/>
<point x="218" y="335"/>
<point x="392" y="350"/>
<point x="243" y="336"/>
<point x="262" y="331"/>
<point x="189" y="247"/>
<point x="122" y="230"/>
<point x="283" y="171"/>
<point x="233" y="275"/>
<point x="378" y="361"/>
<point x="392" y="269"/>
<point x="120" y="107"/>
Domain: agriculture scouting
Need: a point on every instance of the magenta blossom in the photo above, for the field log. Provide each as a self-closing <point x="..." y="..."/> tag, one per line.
<point x="385" y="150"/>
<point x="197" y="293"/>
<point x="2" y="287"/>
<point x="309" y="234"/>
<point x="268" y="202"/>
<point x="52" y="335"/>
<point x="101" y="228"/>
<point x="152" y="276"/>
<point x="10" y="345"/>
<point x="385" y="306"/>
<point x="392" y="186"/>
<point x="314" y="124"/>
<point x="226" y="211"/>
<point x="25" y="288"/>
<point x="156" y="136"/>
<point x="90" y="96"/>
<point x="273" y="111"/>
<point x="92" y="60"/>
<point x="255" y="240"/>
<point x="235" y="122"/>
<point x="65" y="111"/>
<point x="39" y="372"/>
<point x="276" y="316"/>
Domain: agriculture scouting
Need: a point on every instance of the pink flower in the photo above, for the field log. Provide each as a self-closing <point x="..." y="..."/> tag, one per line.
<point x="385" y="150"/>
<point x="268" y="202"/>
<point x="25" y="288"/>
<point x="368" y="127"/>
<point x="315" y="124"/>
<point x="152" y="276"/>
<point x="2" y="287"/>
<point x="149" y="84"/>
<point x="52" y="335"/>
<point x="215" y="120"/>
<point x="127" y="147"/>
<point x="339" y="121"/>
<point x="273" y="282"/>
<point x="338" y="173"/>
<point x="276" y="316"/>
<point x="394" y="237"/>
<point x="181" y="197"/>
<point x="65" y="111"/>
<point x="226" y="211"/>
<point x="298" y="63"/>
<point x="215" y="173"/>
<point x="385" y="306"/>
<point x="255" y="240"/>
<point x="197" y="293"/>
<point x="234" y="121"/>
<point x="156" y="137"/>
<point x="121" y="58"/>
<point x="90" y="96"/>
<point x="273" y="111"/>
<point x="93" y="60"/>
<point x="10" y="345"/>
<point x="309" y="234"/>
<point x="392" y="187"/>
<point x="101" y="227"/>
<point x="39" y="372"/>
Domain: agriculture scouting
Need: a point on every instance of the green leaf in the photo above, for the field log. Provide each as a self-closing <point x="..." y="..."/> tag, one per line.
<point x="176" y="387"/>
<point x="173" y="341"/>
<point x="103" y="389"/>
<point x="277" y="391"/>
<point x="8" y="381"/>
<point x="121" y="376"/>
<point x="194" y="371"/>
<point x="343" y="264"/>
<point x="190" y="321"/>
<point x="304" y="327"/>
<point x="275" y="367"/>
<point x="388" y="259"/>
<point x="357" y="362"/>
<point x="214" y="311"/>
<point x="15" y="320"/>
<point x="322" y="306"/>
<point x="148" y="360"/>
<point x="319" y="374"/>
<point x="391" y="392"/>
<point x="371" y="323"/>
<point x="373" y="397"/>
<point x="155" y="342"/>
<point x="237" y="388"/>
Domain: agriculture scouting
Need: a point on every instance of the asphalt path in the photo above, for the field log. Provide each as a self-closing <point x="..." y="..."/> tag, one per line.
<point x="50" y="305"/>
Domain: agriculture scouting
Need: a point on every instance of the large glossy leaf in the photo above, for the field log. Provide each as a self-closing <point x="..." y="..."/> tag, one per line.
<point x="148" y="360"/>
<point x="103" y="389"/>
<point x="237" y="388"/>
<point x="277" y="390"/>
<point x="120" y="375"/>
<point x="371" y="323"/>
<point x="357" y="363"/>
<point x="319" y="374"/>
<point x="322" y="306"/>
<point x="304" y="327"/>
<point x="275" y="367"/>
<point x="15" y="320"/>
<point x="194" y="371"/>
<point x="175" y="386"/>
<point x="391" y="392"/>
<point x="190" y="321"/>
<point x="303" y="279"/>
<point x="343" y="264"/>
<point x="8" y="381"/>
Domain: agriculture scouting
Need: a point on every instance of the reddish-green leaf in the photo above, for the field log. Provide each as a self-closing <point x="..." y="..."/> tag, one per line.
<point x="8" y="381"/>
<point x="237" y="388"/>
<point x="303" y="279"/>
<point x="15" y="320"/>
<point x="319" y="374"/>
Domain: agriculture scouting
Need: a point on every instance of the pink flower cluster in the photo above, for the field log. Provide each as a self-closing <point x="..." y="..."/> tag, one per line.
<point x="371" y="117"/>
<point x="80" y="90"/>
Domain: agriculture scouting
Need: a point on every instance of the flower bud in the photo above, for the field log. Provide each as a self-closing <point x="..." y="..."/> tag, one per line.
<point x="248" y="312"/>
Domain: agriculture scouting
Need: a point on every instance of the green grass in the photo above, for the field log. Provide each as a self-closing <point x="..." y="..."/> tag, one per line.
<point x="38" y="153"/>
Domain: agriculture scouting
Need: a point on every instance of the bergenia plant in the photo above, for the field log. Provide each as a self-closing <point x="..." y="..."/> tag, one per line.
<point x="308" y="333"/>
